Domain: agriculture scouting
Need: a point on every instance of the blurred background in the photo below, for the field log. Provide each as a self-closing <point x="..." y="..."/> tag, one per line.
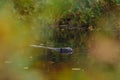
<point x="90" y="27"/>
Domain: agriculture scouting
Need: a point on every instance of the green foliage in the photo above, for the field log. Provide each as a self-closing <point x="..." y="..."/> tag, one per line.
<point x="78" y="20"/>
<point x="24" y="7"/>
<point x="65" y="22"/>
<point x="2" y="3"/>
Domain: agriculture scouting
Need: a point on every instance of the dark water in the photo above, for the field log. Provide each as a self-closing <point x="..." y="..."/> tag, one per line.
<point x="96" y="48"/>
